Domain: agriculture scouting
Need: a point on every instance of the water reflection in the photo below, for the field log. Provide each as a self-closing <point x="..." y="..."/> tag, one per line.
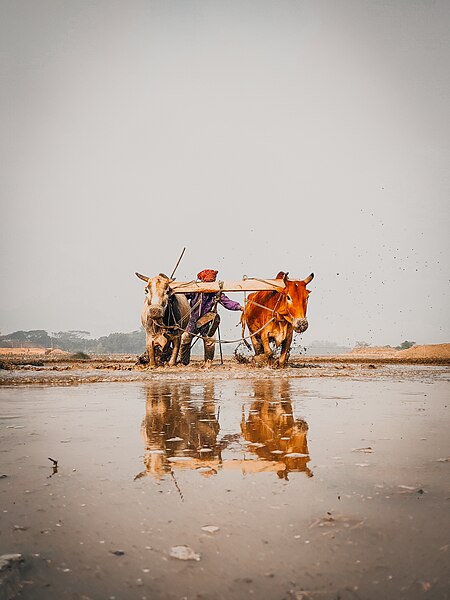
<point x="181" y="430"/>
<point x="273" y="432"/>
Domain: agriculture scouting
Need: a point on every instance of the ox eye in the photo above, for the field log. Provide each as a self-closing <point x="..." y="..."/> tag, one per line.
<point x="146" y="290"/>
<point x="289" y="298"/>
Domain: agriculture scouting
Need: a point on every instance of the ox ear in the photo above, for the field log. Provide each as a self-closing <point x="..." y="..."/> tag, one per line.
<point x="166" y="277"/>
<point x="309" y="278"/>
<point x="142" y="277"/>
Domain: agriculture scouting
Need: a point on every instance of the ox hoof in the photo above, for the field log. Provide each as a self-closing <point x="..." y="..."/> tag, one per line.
<point x="260" y="360"/>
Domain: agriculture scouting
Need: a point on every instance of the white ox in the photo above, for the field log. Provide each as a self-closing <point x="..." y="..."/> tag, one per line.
<point x="164" y="317"/>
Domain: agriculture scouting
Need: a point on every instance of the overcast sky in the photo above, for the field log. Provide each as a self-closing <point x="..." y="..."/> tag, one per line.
<point x="262" y="135"/>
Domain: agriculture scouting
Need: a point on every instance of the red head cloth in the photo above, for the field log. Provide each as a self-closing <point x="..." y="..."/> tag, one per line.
<point x="207" y="275"/>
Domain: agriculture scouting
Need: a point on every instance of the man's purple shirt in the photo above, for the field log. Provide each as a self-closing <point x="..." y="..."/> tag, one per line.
<point x="205" y="304"/>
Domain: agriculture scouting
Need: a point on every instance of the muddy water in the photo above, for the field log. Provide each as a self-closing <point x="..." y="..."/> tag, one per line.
<point x="308" y="488"/>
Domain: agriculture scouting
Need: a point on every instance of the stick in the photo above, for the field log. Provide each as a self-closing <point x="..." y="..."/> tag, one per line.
<point x="220" y="345"/>
<point x="176" y="266"/>
<point x="177" y="486"/>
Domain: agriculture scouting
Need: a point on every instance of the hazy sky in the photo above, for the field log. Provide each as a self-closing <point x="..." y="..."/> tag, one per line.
<point x="262" y="135"/>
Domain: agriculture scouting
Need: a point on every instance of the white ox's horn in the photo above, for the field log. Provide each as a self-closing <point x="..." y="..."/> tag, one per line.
<point x="309" y="278"/>
<point x="142" y="277"/>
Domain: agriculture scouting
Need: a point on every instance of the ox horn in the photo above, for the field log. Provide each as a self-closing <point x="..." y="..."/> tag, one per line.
<point x="309" y="278"/>
<point x="282" y="275"/>
<point x="143" y="277"/>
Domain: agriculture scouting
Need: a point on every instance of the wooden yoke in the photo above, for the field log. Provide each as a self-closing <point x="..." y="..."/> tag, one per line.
<point x="245" y="285"/>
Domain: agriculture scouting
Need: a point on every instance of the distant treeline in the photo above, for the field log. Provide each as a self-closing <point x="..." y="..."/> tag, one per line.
<point x="77" y="341"/>
<point x="134" y="343"/>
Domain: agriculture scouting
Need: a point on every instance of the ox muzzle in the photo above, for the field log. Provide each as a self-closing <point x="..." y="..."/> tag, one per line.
<point x="155" y="312"/>
<point x="300" y="325"/>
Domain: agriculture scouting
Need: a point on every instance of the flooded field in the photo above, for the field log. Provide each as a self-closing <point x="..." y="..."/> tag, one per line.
<point x="227" y="488"/>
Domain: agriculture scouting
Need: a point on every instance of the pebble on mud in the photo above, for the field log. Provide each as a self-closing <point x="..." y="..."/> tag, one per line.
<point x="210" y="528"/>
<point x="184" y="553"/>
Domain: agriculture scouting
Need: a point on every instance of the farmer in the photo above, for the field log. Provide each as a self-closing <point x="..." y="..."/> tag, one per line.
<point x="204" y="319"/>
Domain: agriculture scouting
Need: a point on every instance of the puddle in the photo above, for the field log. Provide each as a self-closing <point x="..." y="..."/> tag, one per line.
<point x="229" y="488"/>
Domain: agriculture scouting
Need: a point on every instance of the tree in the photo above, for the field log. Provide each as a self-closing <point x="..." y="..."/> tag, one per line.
<point x="35" y="337"/>
<point x="405" y="345"/>
<point x="77" y="340"/>
<point x="73" y="340"/>
<point x="122" y="343"/>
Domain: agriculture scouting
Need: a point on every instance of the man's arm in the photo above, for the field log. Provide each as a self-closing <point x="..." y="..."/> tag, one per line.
<point x="228" y="303"/>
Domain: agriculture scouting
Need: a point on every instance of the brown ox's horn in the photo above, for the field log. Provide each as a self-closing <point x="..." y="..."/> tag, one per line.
<point x="142" y="277"/>
<point x="310" y="278"/>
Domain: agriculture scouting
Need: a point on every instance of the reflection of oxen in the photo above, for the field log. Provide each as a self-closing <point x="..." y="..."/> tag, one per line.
<point x="163" y="317"/>
<point x="180" y="428"/>
<point x="272" y="431"/>
<point x="274" y="316"/>
<point x="181" y="431"/>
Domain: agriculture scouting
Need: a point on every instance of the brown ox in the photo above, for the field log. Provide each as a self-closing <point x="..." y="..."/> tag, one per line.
<point x="274" y="316"/>
<point x="164" y="317"/>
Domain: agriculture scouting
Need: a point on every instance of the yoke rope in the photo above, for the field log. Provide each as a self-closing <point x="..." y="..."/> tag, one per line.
<point x="205" y="337"/>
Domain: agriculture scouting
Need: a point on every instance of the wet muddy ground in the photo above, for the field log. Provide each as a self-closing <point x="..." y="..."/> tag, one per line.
<point x="26" y="370"/>
<point x="273" y="485"/>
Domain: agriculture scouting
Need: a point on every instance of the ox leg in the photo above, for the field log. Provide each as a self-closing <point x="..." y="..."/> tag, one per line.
<point x="151" y="353"/>
<point x="259" y="357"/>
<point x="176" y="341"/>
<point x="285" y="347"/>
<point x="267" y="349"/>
<point x="257" y="345"/>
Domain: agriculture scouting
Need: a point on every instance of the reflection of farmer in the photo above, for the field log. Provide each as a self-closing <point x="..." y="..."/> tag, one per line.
<point x="204" y="319"/>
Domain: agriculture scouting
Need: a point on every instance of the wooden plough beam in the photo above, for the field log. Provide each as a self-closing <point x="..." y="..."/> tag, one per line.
<point x="245" y="285"/>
